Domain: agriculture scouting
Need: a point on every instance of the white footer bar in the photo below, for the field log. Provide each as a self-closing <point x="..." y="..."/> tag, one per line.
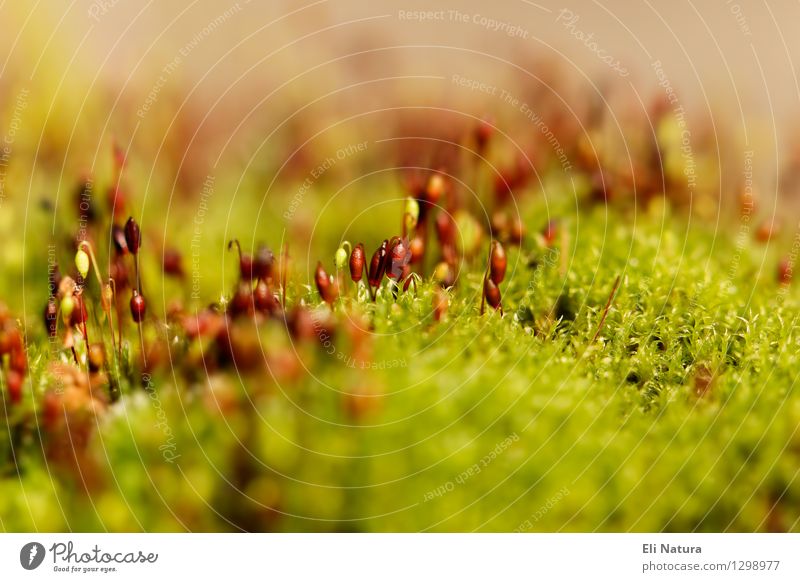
<point x="355" y="557"/>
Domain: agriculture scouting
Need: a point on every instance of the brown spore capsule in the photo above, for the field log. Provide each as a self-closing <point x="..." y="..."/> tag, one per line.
<point x="262" y="263"/>
<point x="326" y="287"/>
<point x="173" y="263"/>
<point x="138" y="307"/>
<point x="434" y="189"/>
<point x="51" y="318"/>
<point x="497" y="263"/>
<point x="492" y="293"/>
<point x="14" y="382"/>
<point x="245" y="261"/>
<point x="445" y="229"/>
<point x="357" y="259"/>
<point x="263" y="298"/>
<point x="118" y="238"/>
<point x="440" y="303"/>
<point x="96" y="357"/>
<point x="133" y="235"/>
<point x="550" y="232"/>
<point x="377" y="266"/>
<point x="398" y="258"/>
<point x="79" y="314"/>
<point x="242" y="300"/>
<point x="417" y="249"/>
<point x="785" y="271"/>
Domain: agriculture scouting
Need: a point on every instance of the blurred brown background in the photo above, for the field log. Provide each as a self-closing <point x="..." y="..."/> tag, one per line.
<point x="215" y="78"/>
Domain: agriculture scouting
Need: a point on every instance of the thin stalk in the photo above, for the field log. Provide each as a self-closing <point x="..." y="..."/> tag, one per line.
<point x="119" y="318"/>
<point x="118" y="346"/>
<point x="141" y="342"/>
<point x="82" y="307"/>
<point x="483" y="295"/>
<point x="606" y="309"/>
<point x="483" y="283"/>
<point x="68" y="332"/>
<point x="136" y="268"/>
<point x="87" y="247"/>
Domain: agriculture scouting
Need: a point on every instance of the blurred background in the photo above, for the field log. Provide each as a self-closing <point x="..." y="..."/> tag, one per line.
<point x="254" y="97"/>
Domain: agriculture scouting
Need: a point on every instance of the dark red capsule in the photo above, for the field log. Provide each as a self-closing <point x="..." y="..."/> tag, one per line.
<point x="407" y="284"/>
<point x="357" y="259"/>
<point x="116" y="199"/>
<point x="327" y="288"/>
<point x="96" y="357"/>
<point x="206" y="323"/>
<point x="5" y="342"/>
<point x="300" y="323"/>
<point x="242" y="300"/>
<point x="601" y="190"/>
<point x="377" y="266"/>
<point x="51" y="318"/>
<point x="399" y="257"/>
<point x="417" y="249"/>
<point x="173" y="262"/>
<point x="10" y="340"/>
<point x="497" y="263"/>
<point x="118" y="154"/>
<point x="138" y="307"/>
<point x="14" y="382"/>
<point x="263" y="298"/>
<point x="118" y="238"/>
<point x="79" y="314"/>
<point x="434" y="189"/>
<point x="517" y="232"/>
<point x="445" y="229"/>
<point x="262" y="264"/>
<point x="440" y="302"/>
<point x="503" y="187"/>
<point x="246" y="267"/>
<point x="133" y="235"/>
<point x="18" y="361"/>
<point x="51" y="403"/>
<point x="119" y="272"/>
<point x="550" y="232"/>
<point x="491" y="292"/>
<point x="245" y="262"/>
<point x="768" y="230"/>
<point x="15" y="343"/>
<point x="785" y="271"/>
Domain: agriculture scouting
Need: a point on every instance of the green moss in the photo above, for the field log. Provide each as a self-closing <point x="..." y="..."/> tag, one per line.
<point x="606" y="436"/>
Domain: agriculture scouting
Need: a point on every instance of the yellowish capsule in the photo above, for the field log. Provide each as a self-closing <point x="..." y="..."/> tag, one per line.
<point x="67" y="307"/>
<point x="82" y="262"/>
<point x="412" y="213"/>
<point x="340" y="259"/>
<point x="108" y="296"/>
